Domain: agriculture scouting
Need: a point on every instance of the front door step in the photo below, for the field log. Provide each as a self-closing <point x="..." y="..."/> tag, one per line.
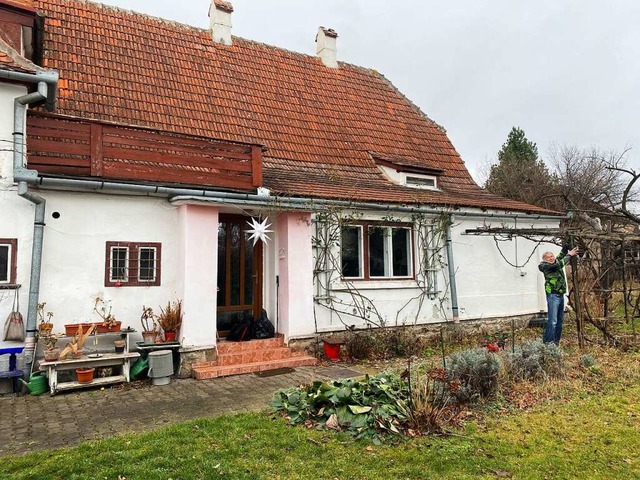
<point x="237" y="358"/>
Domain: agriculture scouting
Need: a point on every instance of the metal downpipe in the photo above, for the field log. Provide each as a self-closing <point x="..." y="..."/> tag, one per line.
<point x="36" y="255"/>
<point x="452" y="274"/>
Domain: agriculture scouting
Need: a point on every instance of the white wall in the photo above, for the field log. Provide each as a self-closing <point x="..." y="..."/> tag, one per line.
<point x="487" y="285"/>
<point x="12" y="208"/>
<point x="73" y="260"/>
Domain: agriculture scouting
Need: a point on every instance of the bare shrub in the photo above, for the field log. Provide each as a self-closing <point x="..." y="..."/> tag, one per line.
<point x="534" y="360"/>
<point x="477" y="370"/>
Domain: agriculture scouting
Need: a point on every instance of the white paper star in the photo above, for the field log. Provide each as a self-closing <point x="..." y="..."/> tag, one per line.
<point x="259" y="230"/>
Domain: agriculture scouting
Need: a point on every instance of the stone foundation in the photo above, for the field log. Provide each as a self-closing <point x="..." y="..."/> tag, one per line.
<point x="430" y="332"/>
<point x="189" y="357"/>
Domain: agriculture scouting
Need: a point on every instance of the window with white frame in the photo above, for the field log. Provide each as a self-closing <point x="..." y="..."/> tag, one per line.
<point x="132" y="264"/>
<point x="415" y="180"/>
<point x="8" y="260"/>
<point x="372" y="251"/>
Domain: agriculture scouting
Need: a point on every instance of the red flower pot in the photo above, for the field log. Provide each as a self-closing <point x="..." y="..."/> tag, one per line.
<point x="102" y="328"/>
<point x="72" y="328"/>
<point x="169" y="336"/>
<point x="332" y="350"/>
<point x="85" y="375"/>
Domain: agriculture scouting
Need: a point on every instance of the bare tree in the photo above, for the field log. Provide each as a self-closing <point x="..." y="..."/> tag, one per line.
<point x="591" y="183"/>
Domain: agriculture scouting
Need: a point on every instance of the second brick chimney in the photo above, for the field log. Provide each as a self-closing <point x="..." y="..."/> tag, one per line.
<point x="326" y="46"/>
<point x="220" y="21"/>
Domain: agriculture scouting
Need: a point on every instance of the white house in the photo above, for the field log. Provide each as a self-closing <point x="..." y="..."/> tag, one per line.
<point x="154" y="146"/>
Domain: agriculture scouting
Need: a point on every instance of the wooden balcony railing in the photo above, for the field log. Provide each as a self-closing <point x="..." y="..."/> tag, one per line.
<point x="83" y="148"/>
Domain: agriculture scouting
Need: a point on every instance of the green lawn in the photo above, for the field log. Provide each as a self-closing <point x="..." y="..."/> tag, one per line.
<point x="594" y="437"/>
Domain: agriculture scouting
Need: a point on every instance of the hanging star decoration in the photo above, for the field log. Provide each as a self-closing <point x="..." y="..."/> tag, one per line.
<point x="259" y="230"/>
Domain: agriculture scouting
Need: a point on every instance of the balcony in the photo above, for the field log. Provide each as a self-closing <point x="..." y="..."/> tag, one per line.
<point x="65" y="146"/>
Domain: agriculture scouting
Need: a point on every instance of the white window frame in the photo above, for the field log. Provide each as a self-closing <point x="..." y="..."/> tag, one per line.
<point x="113" y="268"/>
<point x="154" y="269"/>
<point x="418" y="176"/>
<point x="360" y="253"/>
<point x="365" y="265"/>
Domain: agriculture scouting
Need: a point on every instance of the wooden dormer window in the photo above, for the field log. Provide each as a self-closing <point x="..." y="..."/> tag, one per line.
<point x="408" y="172"/>
<point x="421" y="181"/>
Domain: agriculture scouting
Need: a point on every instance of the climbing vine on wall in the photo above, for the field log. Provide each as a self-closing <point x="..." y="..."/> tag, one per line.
<point x="347" y="301"/>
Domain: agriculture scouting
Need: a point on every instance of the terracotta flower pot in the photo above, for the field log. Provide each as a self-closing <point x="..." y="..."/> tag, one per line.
<point x="119" y="346"/>
<point x="45" y="329"/>
<point x="85" y="375"/>
<point x="71" y="329"/>
<point x="115" y="327"/>
<point x="149" y="337"/>
<point x="51" y="355"/>
<point x="170" y="336"/>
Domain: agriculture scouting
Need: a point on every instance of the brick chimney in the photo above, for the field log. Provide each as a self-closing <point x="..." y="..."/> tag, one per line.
<point x="326" y="46"/>
<point x="220" y="21"/>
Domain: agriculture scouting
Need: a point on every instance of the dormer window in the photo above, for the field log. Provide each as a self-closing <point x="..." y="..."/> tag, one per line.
<point x="421" y="181"/>
<point x="408" y="172"/>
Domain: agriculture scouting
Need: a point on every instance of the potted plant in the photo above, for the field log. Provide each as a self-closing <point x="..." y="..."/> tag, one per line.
<point x="51" y="352"/>
<point x="44" y="326"/>
<point x="77" y="342"/>
<point x="170" y="320"/>
<point x="149" y="325"/>
<point x="109" y="322"/>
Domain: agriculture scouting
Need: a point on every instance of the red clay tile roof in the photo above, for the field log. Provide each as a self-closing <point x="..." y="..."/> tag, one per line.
<point x="319" y="124"/>
<point x="12" y="60"/>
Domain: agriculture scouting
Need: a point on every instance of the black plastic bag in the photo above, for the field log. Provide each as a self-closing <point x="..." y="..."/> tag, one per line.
<point x="243" y="331"/>
<point x="263" y="328"/>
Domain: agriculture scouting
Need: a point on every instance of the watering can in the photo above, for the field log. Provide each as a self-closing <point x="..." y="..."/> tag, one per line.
<point x="37" y="383"/>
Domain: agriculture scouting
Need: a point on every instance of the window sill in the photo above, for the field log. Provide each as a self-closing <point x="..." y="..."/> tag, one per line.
<point x="10" y="286"/>
<point x="374" y="285"/>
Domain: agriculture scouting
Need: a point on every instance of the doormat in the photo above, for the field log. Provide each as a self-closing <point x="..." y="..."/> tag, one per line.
<point x="338" y="372"/>
<point x="274" y="372"/>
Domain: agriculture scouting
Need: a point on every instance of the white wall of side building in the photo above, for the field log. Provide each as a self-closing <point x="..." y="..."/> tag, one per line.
<point x="74" y="249"/>
<point x="487" y="286"/>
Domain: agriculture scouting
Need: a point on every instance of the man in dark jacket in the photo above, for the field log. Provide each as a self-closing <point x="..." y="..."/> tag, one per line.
<point x="555" y="287"/>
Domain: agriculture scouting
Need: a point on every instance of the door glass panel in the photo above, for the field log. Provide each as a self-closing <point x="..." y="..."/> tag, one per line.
<point x="248" y="271"/>
<point x="236" y="242"/>
<point x="222" y="263"/>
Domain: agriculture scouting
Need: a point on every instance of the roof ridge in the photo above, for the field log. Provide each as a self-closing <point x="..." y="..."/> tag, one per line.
<point x="243" y="39"/>
<point x="137" y="13"/>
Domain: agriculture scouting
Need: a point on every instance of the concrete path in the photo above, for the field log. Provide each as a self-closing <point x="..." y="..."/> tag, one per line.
<point x="30" y="423"/>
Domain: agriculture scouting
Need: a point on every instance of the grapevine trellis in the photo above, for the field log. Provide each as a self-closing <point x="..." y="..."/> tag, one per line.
<point x="604" y="279"/>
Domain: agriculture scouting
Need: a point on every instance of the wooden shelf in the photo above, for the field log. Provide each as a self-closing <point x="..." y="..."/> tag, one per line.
<point x="96" y="382"/>
<point x="103" y="360"/>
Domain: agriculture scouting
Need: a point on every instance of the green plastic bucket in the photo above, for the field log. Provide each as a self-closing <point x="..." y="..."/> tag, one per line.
<point x="138" y="368"/>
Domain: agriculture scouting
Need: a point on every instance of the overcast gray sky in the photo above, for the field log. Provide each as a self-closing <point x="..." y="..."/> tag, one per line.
<point x="565" y="71"/>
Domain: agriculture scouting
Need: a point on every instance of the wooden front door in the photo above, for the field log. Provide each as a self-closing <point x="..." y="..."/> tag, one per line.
<point x="239" y="273"/>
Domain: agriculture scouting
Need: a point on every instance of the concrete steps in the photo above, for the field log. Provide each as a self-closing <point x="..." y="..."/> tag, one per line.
<point x="238" y="358"/>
